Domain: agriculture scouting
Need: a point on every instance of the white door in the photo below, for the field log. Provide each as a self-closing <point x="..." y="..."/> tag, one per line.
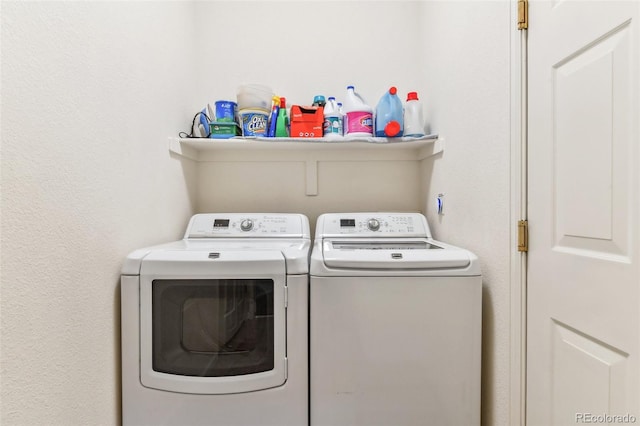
<point x="584" y="216"/>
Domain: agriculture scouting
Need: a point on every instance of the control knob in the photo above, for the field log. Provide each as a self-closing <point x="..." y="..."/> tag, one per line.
<point x="373" y="224"/>
<point x="246" y="225"/>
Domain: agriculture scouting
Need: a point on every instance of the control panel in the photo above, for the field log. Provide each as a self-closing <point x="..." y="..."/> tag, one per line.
<point x="253" y="225"/>
<point x="372" y="224"/>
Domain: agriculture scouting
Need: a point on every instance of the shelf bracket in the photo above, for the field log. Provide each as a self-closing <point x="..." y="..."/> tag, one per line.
<point x="311" y="169"/>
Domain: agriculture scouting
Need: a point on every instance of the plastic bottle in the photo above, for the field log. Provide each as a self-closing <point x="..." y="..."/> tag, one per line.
<point x="273" y="119"/>
<point x="389" y="115"/>
<point x="358" y="116"/>
<point x="332" y="128"/>
<point x="341" y="116"/>
<point x="413" y="120"/>
<point x="282" y="124"/>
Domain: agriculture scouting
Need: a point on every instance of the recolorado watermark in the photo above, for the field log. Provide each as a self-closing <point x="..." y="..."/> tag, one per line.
<point x="605" y="418"/>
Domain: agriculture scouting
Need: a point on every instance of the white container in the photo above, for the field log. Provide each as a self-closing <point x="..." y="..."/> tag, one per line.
<point x="358" y="116"/>
<point x="254" y="96"/>
<point x="389" y="115"/>
<point x="413" y="119"/>
<point x="332" y="128"/>
<point x="254" y="122"/>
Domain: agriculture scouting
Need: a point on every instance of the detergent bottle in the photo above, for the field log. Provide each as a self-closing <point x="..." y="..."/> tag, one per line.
<point x="358" y="116"/>
<point x="332" y="128"/>
<point x="413" y="120"/>
<point x="389" y="115"/>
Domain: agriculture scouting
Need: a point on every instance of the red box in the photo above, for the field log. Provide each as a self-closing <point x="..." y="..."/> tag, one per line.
<point x="306" y="121"/>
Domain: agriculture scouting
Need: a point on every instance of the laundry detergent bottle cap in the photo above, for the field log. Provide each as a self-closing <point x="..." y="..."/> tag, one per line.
<point x="358" y="116"/>
<point x="389" y="115"/>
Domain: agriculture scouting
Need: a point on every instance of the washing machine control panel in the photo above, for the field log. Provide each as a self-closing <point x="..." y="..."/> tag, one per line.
<point x="246" y="225"/>
<point x="381" y="224"/>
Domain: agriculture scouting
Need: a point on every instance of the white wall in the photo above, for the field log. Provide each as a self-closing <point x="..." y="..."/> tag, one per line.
<point x="466" y="96"/>
<point x="301" y="49"/>
<point x="304" y="48"/>
<point x="90" y="93"/>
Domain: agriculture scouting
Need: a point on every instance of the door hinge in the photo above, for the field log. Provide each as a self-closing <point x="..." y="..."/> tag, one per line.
<point x="523" y="235"/>
<point x="523" y="14"/>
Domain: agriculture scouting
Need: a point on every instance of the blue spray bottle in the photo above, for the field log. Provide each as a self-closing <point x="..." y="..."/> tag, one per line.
<point x="274" y="117"/>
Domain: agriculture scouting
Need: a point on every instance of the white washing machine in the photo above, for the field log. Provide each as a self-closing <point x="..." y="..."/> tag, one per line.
<point x="215" y="326"/>
<point x="395" y="324"/>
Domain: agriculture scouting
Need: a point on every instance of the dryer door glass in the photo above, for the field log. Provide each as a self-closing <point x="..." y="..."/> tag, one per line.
<point x="213" y="327"/>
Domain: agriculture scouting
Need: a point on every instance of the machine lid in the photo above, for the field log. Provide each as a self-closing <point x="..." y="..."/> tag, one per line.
<point x="393" y="254"/>
<point x="248" y="225"/>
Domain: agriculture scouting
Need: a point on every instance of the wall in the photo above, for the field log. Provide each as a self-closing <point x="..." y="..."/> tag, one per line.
<point x="90" y="93"/>
<point x="466" y="96"/>
<point x="90" y="177"/>
<point x="301" y="49"/>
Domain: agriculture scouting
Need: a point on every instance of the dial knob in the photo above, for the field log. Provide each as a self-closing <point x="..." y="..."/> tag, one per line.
<point x="246" y="225"/>
<point x="373" y="224"/>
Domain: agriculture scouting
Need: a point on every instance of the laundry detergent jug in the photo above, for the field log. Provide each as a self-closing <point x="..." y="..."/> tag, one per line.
<point x="358" y="116"/>
<point x="389" y="115"/>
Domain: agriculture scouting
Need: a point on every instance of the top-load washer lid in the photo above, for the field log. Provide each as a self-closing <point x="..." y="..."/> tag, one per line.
<point x="384" y="243"/>
<point x="392" y="254"/>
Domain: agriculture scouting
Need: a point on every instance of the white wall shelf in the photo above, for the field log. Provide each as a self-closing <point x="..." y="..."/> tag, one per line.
<point x="310" y="151"/>
<point x="298" y="149"/>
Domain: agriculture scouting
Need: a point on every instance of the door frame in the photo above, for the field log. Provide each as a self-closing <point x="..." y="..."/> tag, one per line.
<point x="518" y="211"/>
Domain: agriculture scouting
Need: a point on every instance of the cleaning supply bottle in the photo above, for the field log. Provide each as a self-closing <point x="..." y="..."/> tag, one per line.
<point x="273" y="118"/>
<point x="332" y="128"/>
<point x="358" y="116"/>
<point x="389" y="115"/>
<point x="282" y="124"/>
<point x="413" y="120"/>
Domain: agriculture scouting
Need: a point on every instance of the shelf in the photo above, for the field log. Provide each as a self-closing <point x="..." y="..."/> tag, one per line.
<point x="310" y="151"/>
<point x="300" y="149"/>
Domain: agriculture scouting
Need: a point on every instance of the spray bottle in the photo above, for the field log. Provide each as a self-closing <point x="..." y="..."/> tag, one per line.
<point x="282" y="124"/>
<point x="274" y="117"/>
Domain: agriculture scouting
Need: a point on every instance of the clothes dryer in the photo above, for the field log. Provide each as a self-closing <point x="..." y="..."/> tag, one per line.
<point x="215" y="326"/>
<point x="395" y="324"/>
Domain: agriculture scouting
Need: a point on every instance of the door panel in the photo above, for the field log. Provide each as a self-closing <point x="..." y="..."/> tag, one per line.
<point x="591" y="138"/>
<point x="586" y="373"/>
<point x="213" y="325"/>
<point x="583" y="327"/>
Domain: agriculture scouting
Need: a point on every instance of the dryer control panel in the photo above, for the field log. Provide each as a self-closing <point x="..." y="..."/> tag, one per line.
<point x="373" y="224"/>
<point x="254" y="225"/>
